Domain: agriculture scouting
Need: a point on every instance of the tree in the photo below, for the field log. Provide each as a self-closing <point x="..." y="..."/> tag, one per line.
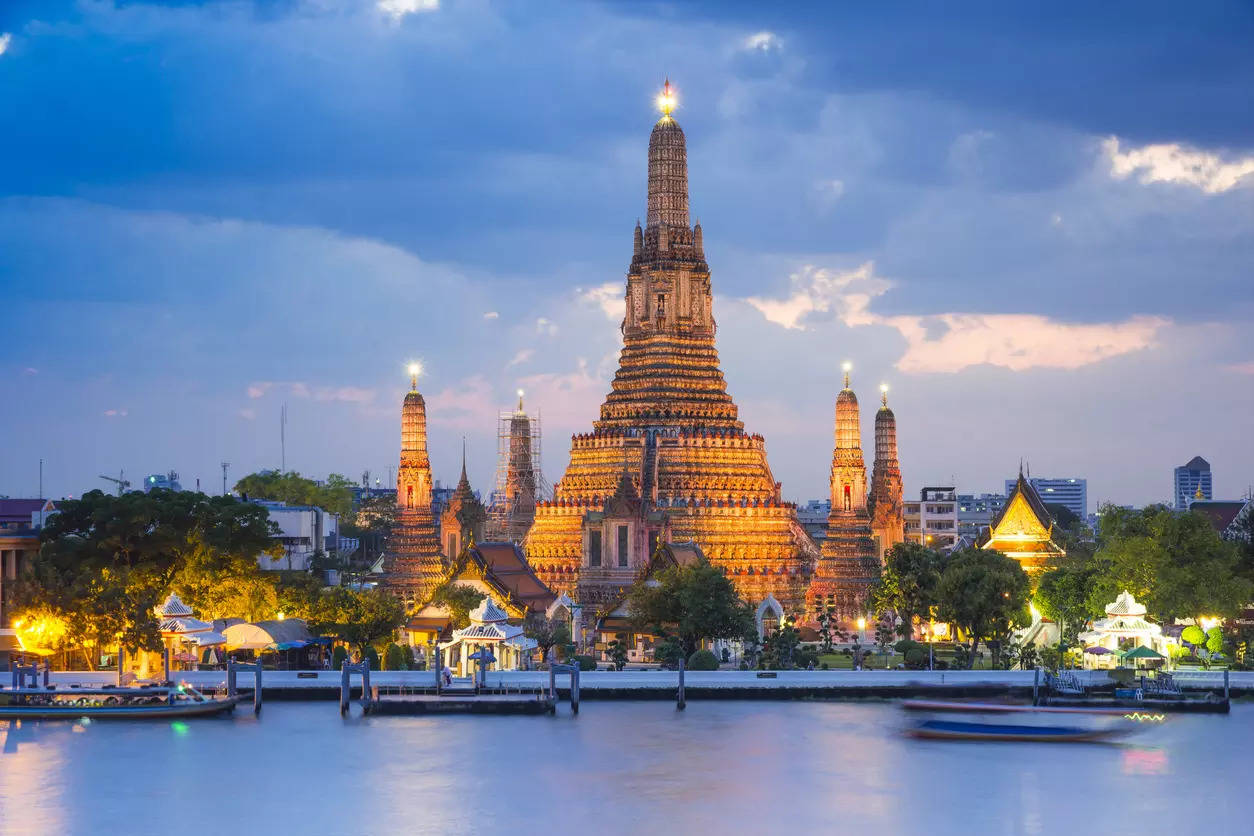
<point x="984" y="593"/>
<point x="1176" y="564"/>
<point x="358" y="617"/>
<point x="618" y="651"/>
<point x="547" y="632"/>
<point x="459" y="600"/>
<point x="106" y="561"/>
<point x="884" y="632"/>
<point x="1062" y="594"/>
<point x="694" y="603"/>
<point x="829" y="631"/>
<point x="334" y="495"/>
<point x="908" y="583"/>
<point x="780" y="649"/>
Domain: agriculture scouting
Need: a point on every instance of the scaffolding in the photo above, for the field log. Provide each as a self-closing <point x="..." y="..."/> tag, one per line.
<point x="519" y="481"/>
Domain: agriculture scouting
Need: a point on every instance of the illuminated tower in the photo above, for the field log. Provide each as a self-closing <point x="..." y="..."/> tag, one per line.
<point x="885" y="503"/>
<point x="461" y="524"/>
<point x="414" y="566"/>
<point x="844" y="573"/>
<point x="669" y="459"/>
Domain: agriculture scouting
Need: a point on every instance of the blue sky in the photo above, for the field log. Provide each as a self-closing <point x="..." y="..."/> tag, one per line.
<point x="1033" y="221"/>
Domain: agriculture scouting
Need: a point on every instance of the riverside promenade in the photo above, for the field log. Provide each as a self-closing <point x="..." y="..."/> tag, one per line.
<point x="635" y="684"/>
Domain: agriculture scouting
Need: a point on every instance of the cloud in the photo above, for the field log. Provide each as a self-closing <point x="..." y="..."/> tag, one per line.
<point x="762" y="41"/>
<point x="491" y="315"/>
<point x="950" y="342"/>
<point x="570" y="399"/>
<point x="1175" y="163"/>
<point x="30" y="371"/>
<point x="397" y="9"/>
<point x="546" y="326"/>
<point x="5" y="40"/>
<point x="521" y="357"/>
<point x="247" y="414"/>
<point x="608" y="297"/>
<point x="820" y="291"/>
<point x="1241" y="368"/>
<point x="115" y="413"/>
<point x="259" y="389"/>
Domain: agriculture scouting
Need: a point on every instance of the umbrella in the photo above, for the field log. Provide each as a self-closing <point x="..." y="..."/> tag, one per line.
<point x="1098" y="650"/>
<point x="1143" y="652"/>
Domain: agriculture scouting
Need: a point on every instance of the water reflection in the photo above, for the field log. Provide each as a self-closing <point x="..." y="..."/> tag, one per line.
<point x="620" y="767"/>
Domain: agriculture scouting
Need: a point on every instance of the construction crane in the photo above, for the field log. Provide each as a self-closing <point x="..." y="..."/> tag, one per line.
<point x="120" y="481"/>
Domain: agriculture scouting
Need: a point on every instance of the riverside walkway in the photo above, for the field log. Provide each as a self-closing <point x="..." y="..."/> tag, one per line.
<point x="661" y="685"/>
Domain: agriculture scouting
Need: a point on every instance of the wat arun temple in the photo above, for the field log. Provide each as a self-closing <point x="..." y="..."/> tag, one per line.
<point x="668" y="461"/>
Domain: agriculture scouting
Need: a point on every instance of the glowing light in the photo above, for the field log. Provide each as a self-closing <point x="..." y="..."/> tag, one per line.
<point x="884" y="388"/>
<point x="667" y="100"/>
<point x="179" y="727"/>
<point x="861" y="623"/>
<point x="1208" y="623"/>
<point x="280" y="616"/>
<point x="40" y="635"/>
<point x="1036" y="614"/>
<point x="846" y="366"/>
<point x="520" y="393"/>
<point x="940" y="629"/>
<point x="415" y="369"/>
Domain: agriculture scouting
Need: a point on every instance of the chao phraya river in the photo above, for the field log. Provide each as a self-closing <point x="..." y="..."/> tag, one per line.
<point x="619" y="767"/>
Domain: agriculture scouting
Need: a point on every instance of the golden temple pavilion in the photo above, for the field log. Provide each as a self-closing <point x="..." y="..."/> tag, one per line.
<point x="1024" y="529"/>
<point x="669" y="459"/>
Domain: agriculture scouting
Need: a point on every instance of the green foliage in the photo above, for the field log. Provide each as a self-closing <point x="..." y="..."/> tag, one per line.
<point x="1194" y="635"/>
<point x="1176" y="564"/>
<point x="984" y="593"/>
<point x="1215" y="640"/>
<point x="702" y="660"/>
<point x="369" y="654"/>
<point x="338" y="655"/>
<point x="1063" y="596"/>
<point x="459" y="600"/>
<point x="618" y="651"/>
<point x="359" y="617"/>
<point x="586" y="663"/>
<point x="547" y="632"/>
<point x="667" y="652"/>
<point x="334" y="495"/>
<point x="693" y="603"/>
<point x="394" y="658"/>
<point x="915" y="657"/>
<point x="780" y="649"/>
<point x="909" y="583"/>
<point x="107" y="560"/>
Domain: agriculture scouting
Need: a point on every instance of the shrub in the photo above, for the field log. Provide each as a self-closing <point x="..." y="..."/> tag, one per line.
<point x="338" y="655"/>
<point x="586" y="663"/>
<point x="824" y="666"/>
<point x="1193" y="635"/>
<point x="916" y="657"/>
<point x="372" y="656"/>
<point x="702" y="660"/>
<point x="804" y="657"/>
<point x="394" y="658"/>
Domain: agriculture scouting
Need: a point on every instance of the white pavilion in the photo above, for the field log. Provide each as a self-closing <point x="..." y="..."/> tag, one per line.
<point x="1123" y="629"/>
<point x="489" y="630"/>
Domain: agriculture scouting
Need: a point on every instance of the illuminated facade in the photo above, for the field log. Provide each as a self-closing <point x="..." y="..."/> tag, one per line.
<point x="461" y="522"/>
<point x="669" y="460"/>
<point x="1023" y="530"/>
<point x="414" y="565"/>
<point x="885" y="503"/>
<point x="848" y="564"/>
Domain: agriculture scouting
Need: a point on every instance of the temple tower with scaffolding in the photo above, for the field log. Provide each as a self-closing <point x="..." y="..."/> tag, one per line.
<point x="519" y="482"/>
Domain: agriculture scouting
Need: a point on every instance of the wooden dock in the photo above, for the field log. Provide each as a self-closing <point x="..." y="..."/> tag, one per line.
<point x="459" y="703"/>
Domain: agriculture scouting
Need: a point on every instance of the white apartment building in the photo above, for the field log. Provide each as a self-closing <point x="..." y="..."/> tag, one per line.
<point x="933" y="520"/>
<point x="304" y="531"/>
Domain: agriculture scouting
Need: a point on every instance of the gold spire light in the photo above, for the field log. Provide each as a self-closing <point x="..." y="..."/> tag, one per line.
<point x="846" y="367"/>
<point x="884" y="394"/>
<point x="415" y="369"/>
<point x="666" y="100"/>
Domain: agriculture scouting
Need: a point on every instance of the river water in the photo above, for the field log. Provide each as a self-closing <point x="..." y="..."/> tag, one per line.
<point x="619" y="767"/>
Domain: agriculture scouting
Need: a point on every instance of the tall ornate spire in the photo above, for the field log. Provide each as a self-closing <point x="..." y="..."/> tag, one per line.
<point x="668" y="168"/>
<point x="414" y="566"/>
<point x="885" y="503"/>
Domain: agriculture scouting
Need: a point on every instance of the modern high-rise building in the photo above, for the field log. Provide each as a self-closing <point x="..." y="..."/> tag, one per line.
<point x="1071" y="493"/>
<point x="1188" y="480"/>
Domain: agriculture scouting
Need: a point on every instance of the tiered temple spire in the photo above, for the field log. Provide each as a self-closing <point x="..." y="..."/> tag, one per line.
<point x="846" y="569"/>
<point x="885" y="503"/>
<point x="669" y="417"/>
<point x="414" y="566"/>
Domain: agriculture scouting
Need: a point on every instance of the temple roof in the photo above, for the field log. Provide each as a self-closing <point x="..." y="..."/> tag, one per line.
<point x="1221" y="513"/>
<point x="172" y="608"/>
<point x="1023" y="497"/>
<point x="1125" y="604"/>
<point x="487" y="612"/>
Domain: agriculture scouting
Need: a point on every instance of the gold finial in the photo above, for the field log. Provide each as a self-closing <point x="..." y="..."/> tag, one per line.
<point x="884" y="394"/>
<point x="666" y="100"/>
<point x="1198" y="493"/>
<point x="846" y="367"/>
<point x="520" y="397"/>
<point x="415" y="369"/>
